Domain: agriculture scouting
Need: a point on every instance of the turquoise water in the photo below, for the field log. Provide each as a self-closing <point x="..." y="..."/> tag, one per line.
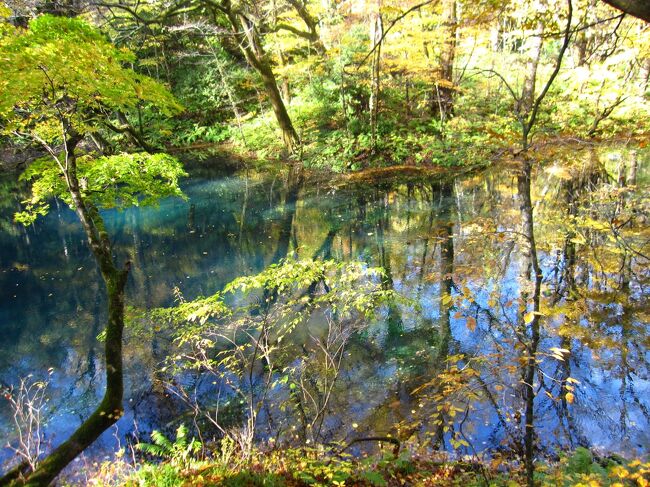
<point x="420" y="231"/>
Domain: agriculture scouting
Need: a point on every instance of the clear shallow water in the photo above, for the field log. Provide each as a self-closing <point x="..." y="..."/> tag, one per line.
<point x="594" y="297"/>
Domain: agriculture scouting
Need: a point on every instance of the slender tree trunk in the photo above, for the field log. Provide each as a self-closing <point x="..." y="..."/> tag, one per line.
<point x="110" y="409"/>
<point x="534" y="54"/>
<point x="407" y="95"/>
<point x="581" y="45"/>
<point x="229" y="93"/>
<point x="533" y="327"/>
<point x="343" y="94"/>
<point x="527" y="100"/>
<point x="376" y="32"/>
<point x="527" y="106"/>
<point x="443" y="101"/>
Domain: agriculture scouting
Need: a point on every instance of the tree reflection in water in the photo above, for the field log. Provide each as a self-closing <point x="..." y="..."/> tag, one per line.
<point x="530" y="283"/>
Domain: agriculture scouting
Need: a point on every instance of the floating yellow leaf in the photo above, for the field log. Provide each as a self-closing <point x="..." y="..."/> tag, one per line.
<point x="569" y="397"/>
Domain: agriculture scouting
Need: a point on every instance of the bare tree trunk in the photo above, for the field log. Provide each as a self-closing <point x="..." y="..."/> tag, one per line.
<point x="286" y="92"/>
<point x="581" y="44"/>
<point x="534" y="52"/>
<point x="376" y="33"/>
<point x="444" y="95"/>
<point x="534" y="276"/>
<point x="527" y="106"/>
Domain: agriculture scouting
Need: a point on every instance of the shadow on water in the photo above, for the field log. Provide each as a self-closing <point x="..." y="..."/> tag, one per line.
<point x="530" y="284"/>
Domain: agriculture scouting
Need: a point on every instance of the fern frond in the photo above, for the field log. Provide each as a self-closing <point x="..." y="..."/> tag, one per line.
<point x="162" y="441"/>
<point x="181" y="437"/>
<point x="155" y="450"/>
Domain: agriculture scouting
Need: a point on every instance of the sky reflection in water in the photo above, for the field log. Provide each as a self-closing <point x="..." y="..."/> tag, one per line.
<point x="591" y="234"/>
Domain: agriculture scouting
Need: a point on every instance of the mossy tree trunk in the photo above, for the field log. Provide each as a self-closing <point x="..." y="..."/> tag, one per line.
<point x="110" y="409"/>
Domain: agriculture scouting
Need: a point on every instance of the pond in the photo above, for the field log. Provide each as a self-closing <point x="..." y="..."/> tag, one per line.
<point x="448" y="368"/>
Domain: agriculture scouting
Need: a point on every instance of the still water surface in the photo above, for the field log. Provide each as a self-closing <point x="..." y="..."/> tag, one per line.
<point x="463" y="237"/>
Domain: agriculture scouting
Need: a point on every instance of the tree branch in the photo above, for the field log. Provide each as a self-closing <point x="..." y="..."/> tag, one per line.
<point x="556" y="70"/>
<point x="391" y="25"/>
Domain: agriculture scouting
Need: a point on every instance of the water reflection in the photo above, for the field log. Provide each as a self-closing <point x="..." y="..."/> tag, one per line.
<point x="531" y="282"/>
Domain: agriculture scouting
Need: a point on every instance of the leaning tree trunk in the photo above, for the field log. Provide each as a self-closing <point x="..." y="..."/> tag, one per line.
<point x="110" y="409"/>
<point x="638" y="8"/>
<point x="253" y="51"/>
<point x="289" y="134"/>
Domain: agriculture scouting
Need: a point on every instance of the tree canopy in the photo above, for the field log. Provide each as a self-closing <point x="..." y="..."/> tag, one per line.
<point x="63" y="68"/>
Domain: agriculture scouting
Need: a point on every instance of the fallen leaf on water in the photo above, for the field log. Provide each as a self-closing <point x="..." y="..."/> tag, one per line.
<point x="471" y="324"/>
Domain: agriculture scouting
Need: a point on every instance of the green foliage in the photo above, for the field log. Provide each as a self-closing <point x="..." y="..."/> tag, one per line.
<point x="187" y="134"/>
<point x="603" y="94"/>
<point x="351" y="287"/>
<point x="164" y="475"/>
<point x="582" y="462"/>
<point x="120" y="180"/>
<point x="180" y="452"/>
<point x="250" y="324"/>
<point x="253" y="479"/>
<point x="582" y="468"/>
<point x="315" y="467"/>
<point x="64" y="67"/>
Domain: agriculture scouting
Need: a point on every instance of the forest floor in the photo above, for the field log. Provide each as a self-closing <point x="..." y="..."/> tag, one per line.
<point x="308" y="467"/>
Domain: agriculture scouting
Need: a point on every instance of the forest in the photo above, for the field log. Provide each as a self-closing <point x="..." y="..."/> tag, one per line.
<point x="324" y="243"/>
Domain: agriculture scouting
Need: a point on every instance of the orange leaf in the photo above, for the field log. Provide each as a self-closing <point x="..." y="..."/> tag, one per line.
<point x="471" y="324"/>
